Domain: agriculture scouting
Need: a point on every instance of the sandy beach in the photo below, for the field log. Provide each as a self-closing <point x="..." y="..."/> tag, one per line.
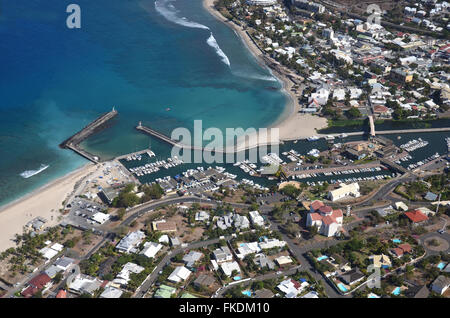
<point x="44" y="202"/>
<point x="292" y="124"/>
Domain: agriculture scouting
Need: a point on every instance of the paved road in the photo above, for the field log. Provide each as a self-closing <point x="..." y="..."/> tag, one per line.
<point x="444" y="236"/>
<point x="148" y="283"/>
<point x="299" y="254"/>
<point x="221" y="291"/>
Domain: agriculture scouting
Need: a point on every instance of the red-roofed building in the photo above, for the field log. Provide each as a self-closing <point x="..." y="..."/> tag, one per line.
<point x="316" y="205"/>
<point x="37" y="284"/>
<point x="381" y="110"/>
<point x="406" y="248"/>
<point x="61" y="294"/>
<point x="327" y="220"/>
<point x="397" y="252"/>
<point x="416" y="216"/>
<point x="326" y="210"/>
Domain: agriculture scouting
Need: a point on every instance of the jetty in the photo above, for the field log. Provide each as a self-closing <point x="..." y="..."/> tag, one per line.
<point x="173" y="142"/>
<point x="95" y="126"/>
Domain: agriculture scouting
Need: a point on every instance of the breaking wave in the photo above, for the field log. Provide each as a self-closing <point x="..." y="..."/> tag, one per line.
<point x="213" y="43"/>
<point x="168" y="11"/>
<point x="29" y="173"/>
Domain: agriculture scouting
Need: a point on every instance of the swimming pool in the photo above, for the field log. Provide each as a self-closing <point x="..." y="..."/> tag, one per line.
<point x="441" y="265"/>
<point x="396" y="291"/>
<point x="247" y="293"/>
<point x="397" y="241"/>
<point x="342" y="287"/>
<point x="321" y="258"/>
<point x="237" y="277"/>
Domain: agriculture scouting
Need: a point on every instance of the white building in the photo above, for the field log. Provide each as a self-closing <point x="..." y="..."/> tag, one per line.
<point x="123" y="277"/>
<point x="100" y="217"/>
<point x="261" y="2"/>
<point x="256" y="218"/>
<point x="180" y="274"/>
<point x="283" y="260"/>
<point x="271" y="243"/>
<point x="327" y="220"/>
<point x="201" y="216"/>
<point x="81" y="284"/>
<point x="241" y="222"/>
<point x="222" y="254"/>
<point x="130" y="242"/>
<point x="320" y="96"/>
<point x="111" y="292"/>
<point x="292" y="288"/>
<point x="345" y="190"/>
<point x="229" y="267"/>
<point x="247" y="248"/>
<point x="151" y="249"/>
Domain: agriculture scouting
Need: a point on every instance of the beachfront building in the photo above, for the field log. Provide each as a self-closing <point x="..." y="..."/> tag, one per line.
<point x="261" y="2"/>
<point x="345" y="190"/>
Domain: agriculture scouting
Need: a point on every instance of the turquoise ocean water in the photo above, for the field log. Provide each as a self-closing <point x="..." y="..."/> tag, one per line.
<point x="143" y="57"/>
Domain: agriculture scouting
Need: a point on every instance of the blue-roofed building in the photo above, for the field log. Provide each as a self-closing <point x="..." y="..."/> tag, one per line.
<point x="430" y="196"/>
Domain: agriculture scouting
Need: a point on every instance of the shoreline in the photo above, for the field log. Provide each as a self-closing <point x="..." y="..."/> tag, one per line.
<point x="291" y="123"/>
<point x="45" y="202"/>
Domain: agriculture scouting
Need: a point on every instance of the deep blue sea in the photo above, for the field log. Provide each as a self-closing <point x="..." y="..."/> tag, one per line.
<point x="140" y="56"/>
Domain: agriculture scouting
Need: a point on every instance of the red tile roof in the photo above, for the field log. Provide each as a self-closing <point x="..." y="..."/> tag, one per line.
<point x="337" y="213"/>
<point x="61" y="294"/>
<point x="296" y="283"/>
<point x="317" y="205"/>
<point x="326" y="209"/>
<point x="315" y="216"/>
<point x="40" y="281"/>
<point x="328" y="220"/>
<point x="29" y="291"/>
<point x="397" y="251"/>
<point x="380" y="109"/>
<point x="416" y="216"/>
<point x="406" y="248"/>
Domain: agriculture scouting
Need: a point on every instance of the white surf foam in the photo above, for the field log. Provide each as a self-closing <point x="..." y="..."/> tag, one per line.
<point x="168" y="11"/>
<point x="29" y="173"/>
<point x="213" y="43"/>
<point x="267" y="78"/>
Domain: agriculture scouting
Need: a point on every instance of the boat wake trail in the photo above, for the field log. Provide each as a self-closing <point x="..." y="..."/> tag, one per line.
<point x="29" y="173"/>
<point x="168" y="11"/>
<point x="213" y="43"/>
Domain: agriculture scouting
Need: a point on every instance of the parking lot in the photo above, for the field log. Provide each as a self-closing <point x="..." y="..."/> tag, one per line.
<point x="81" y="212"/>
